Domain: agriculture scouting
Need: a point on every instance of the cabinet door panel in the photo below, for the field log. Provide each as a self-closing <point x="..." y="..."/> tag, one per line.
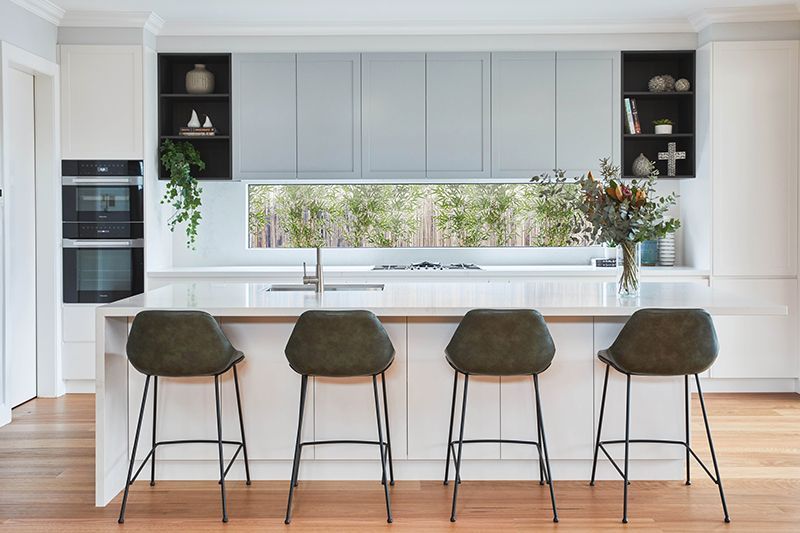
<point x="264" y="116"/>
<point x="758" y="346"/>
<point x="328" y="116"/>
<point x="393" y="113"/>
<point x="101" y="102"/>
<point x="754" y="158"/>
<point x="523" y="114"/>
<point x="587" y="109"/>
<point x="458" y="115"/>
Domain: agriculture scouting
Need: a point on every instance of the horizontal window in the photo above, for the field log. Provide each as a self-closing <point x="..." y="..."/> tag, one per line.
<point x="424" y="216"/>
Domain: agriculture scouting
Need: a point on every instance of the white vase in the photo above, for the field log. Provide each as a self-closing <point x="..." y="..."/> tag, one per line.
<point x="663" y="129"/>
<point x="194" y="121"/>
<point x="199" y="80"/>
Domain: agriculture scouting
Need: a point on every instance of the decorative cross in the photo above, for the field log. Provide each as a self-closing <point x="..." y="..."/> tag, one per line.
<point x="670" y="156"/>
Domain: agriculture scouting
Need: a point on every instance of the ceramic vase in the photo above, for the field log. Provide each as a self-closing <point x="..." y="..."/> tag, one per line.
<point x="199" y="80"/>
<point x="666" y="250"/>
<point x="641" y="166"/>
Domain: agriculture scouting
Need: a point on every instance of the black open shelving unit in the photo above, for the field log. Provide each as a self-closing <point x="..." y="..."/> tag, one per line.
<point x="175" y="107"/>
<point x="638" y="67"/>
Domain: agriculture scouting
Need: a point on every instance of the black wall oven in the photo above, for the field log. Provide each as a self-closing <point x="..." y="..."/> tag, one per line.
<point x="103" y="230"/>
<point x="101" y="271"/>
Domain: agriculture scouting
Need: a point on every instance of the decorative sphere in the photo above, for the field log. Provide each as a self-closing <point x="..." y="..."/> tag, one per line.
<point x="669" y="82"/>
<point x="682" y="85"/>
<point x="657" y="84"/>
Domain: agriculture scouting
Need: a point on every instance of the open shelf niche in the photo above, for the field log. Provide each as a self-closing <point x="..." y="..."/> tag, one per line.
<point x="638" y="67"/>
<point x="175" y="107"/>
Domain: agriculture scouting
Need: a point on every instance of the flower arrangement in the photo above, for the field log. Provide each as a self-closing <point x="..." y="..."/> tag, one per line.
<point x="625" y="214"/>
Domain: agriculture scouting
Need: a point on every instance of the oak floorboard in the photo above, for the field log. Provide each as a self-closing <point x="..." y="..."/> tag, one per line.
<point x="47" y="484"/>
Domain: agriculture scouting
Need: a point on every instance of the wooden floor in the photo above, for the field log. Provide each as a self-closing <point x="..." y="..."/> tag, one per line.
<point x="47" y="484"/>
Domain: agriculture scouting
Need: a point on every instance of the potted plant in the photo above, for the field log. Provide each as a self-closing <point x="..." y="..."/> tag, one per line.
<point x="663" y="126"/>
<point x="183" y="191"/>
<point x="625" y="215"/>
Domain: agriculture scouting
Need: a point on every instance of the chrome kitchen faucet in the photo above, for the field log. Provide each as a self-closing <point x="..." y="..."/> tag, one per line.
<point x="316" y="280"/>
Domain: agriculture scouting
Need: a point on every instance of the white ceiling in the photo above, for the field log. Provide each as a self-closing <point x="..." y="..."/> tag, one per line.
<point x="659" y="15"/>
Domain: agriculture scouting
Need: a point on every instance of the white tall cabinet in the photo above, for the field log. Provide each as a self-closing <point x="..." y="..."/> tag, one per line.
<point x="102" y="117"/>
<point x="751" y="155"/>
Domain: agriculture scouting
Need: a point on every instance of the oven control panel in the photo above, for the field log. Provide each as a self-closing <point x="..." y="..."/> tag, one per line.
<point x="103" y="230"/>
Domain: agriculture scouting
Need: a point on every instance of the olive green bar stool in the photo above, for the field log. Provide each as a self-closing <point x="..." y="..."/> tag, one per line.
<point x="493" y="342"/>
<point x="661" y="342"/>
<point x="182" y="344"/>
<point x="341" y="344"/>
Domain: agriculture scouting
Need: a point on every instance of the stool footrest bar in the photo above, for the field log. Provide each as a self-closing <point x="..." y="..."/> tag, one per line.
<point x="653" y="441"/>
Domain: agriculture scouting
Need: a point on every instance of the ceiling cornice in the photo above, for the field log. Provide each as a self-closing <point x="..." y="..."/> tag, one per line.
<point x="776" y="13"/>
<point x="147" y="20"/>
<point x="449" y="27"/>
<point x="43" y="9"/>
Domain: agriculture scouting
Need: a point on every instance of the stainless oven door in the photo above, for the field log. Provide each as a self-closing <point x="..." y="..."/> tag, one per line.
<point x="102" y="199"/>
<point x="102" y="271"/>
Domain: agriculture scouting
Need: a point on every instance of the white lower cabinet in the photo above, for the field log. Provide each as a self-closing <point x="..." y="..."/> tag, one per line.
<point x="758" y="346"/>
<point x="77" y="346"/>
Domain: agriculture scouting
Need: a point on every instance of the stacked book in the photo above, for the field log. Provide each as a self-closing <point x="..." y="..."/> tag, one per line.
<point x="632" y="117"/>
<point x="198" y="132"/>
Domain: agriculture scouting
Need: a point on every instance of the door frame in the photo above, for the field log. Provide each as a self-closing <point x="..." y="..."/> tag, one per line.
<point x="48" y="220"/>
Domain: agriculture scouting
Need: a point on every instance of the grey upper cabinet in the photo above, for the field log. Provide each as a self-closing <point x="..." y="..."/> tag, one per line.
<point x="587" y="109"/>
<point x="393" y="115"/>
<point x="458" y="112"/>
<point x="264" y="121"/>
<point x="329" y="116"/>
<point x="523" y="114"/>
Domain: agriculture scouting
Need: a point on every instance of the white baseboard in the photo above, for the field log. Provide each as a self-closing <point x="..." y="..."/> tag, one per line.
<point x="5" y="415"/>
<point x="79" y="386"/>
<point x="750" y="385"/>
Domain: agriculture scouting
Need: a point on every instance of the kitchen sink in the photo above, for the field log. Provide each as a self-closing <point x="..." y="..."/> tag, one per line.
<point x="278" y="287"/>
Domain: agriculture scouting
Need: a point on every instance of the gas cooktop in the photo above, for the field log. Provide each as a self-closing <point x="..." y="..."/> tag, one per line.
<point x="428" y="265"/>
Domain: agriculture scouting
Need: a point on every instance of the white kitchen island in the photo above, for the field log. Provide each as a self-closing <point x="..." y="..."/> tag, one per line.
<point x="420" y="318"/>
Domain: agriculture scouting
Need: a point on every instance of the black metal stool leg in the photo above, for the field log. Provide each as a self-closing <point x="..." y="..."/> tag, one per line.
<point x="241" y="424"/>
<point x="599" y="425"/>
<point x="153" y="457"/>
<point x="711" y="447"/>
<point x="388" y="436"/>
<point x="544" y="446"/>
<point x="627" y="445"/>
<point x="384" y="453"/>
<point x="219" y="446"/>
<point x="450" y="432"/>
<point x="686" y="421"/>
<point x="297" y="449"/>
<point x="539" y="447"/>
<point x="460" y="446"/>
<point x="121" y="519"/>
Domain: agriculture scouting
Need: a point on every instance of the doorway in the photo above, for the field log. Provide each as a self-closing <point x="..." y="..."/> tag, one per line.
<point x="30" y="229"/>
<point x="20" y="205"/>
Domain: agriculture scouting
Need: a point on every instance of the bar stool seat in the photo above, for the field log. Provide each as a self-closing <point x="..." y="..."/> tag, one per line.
<point x="342" y="344"/>
<point x="182" y="344"/>
<point x="661" y="342"/>
<point x="497" y="342"/>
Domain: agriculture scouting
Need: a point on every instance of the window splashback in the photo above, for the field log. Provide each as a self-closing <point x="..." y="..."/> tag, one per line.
<point x="416" y="216"/>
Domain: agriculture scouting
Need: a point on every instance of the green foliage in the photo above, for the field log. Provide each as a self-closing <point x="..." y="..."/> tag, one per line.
<point x="306" y="213"/>
<point x="183" y="191"/>
<point x="457" y="215"/>
<point x="380" y="215"/>
<point x="553" y="205"/>
<point x="663" y="122"/>
<point x="620" y="212"/>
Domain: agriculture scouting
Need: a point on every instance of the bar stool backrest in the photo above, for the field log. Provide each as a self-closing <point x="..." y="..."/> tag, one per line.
<point x="339" y="344"/>
<point x="666" y="342"/>
<point x="500" y="342"/>
<point x="179" y="344"/>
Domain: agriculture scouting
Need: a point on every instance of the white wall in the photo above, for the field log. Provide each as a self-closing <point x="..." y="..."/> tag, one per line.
<point x="27" y="31"/>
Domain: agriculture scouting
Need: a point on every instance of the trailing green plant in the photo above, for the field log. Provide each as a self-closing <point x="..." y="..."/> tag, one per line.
<point x="183" y="191"/>
<point x="307" y="213"/>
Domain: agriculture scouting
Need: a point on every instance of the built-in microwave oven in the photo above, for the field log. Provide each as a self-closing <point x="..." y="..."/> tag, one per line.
<point x="102" y="191"/>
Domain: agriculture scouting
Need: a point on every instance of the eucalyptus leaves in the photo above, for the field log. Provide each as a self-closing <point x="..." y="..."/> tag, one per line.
<point x="183" y="191"/>
<point x="404" y="215"/>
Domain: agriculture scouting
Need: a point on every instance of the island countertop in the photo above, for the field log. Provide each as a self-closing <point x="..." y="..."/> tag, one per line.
<point x="551" y="298"/>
